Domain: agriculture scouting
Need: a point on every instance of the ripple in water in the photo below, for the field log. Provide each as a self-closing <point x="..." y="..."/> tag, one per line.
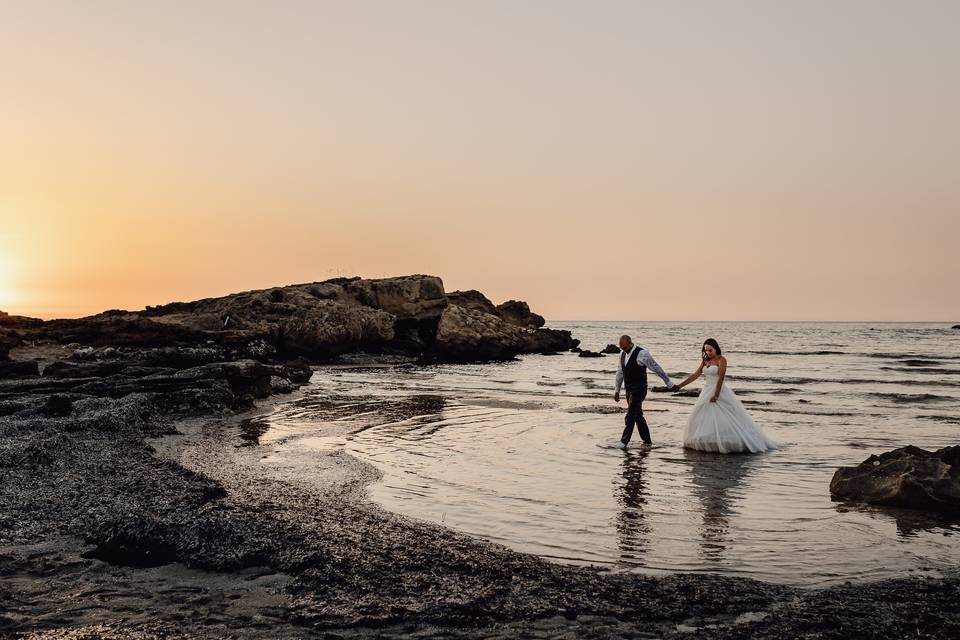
<point x="507" y="452"/>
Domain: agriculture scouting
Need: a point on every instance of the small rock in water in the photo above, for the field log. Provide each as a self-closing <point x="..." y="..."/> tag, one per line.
<point x="909" y="477"/>
<point x="590" y="354"/>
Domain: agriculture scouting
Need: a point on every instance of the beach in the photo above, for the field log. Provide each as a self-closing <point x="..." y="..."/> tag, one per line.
<point x="171" y="481"/>
<point x="201" y="525"/>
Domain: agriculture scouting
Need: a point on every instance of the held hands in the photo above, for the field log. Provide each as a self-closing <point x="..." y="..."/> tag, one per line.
<point x="713" y="399"/>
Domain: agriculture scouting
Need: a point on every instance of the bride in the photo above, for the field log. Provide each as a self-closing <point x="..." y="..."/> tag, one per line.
<point x="719" y="422"/>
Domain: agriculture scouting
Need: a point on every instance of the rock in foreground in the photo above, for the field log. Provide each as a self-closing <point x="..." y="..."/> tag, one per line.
<point x="909" y="477"/>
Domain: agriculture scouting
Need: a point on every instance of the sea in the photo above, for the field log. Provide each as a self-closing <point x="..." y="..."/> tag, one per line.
<point x="508" y="451"/>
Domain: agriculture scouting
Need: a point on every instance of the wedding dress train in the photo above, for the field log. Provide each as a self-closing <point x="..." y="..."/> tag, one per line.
<point x="723" y="426"/>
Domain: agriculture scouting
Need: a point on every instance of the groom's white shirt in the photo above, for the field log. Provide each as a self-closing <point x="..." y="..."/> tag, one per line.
<point x="645" y="359"/>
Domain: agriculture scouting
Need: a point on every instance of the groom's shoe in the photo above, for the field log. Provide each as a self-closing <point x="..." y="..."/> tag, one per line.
<point x="618" y="445"/>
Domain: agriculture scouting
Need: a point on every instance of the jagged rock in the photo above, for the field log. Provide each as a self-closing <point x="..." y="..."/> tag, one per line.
<point x="466" y="335"/>
<point x="280" y="385"/>
<point x="610" y="349"/>
<point x="8" y="340"/>
<point x="109" y="329"/>
<point x="473" y="300"/>
<point x="13" y="369"/>
<point x="908" y="477"/>
<point x="320" y="320"/>
<point x="956" y="326"/>
<point x="417" y="297"/>
<point x="298" y="371"/>
<point x="83" y="353"/>
<point x="548" y="341"/>
<point x="590" y="354"/>
<point x="518" y="313"/>
<point x="58" y="406"/>
<point x="62" y="369"/>
<point x="246" y="377"/>
<point x="8" y="321"/>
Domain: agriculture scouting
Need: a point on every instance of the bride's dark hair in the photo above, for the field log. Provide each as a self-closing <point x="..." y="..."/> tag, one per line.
<point x="713" y="343"/>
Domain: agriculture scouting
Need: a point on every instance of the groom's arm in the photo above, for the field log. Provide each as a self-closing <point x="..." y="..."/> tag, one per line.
<point x="651" y="364"/>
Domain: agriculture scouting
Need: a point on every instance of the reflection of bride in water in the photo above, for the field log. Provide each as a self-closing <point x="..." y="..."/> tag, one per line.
<point x="717" y="484"/>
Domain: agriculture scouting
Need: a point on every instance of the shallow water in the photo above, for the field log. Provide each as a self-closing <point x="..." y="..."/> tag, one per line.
<point x="508" y="451"/>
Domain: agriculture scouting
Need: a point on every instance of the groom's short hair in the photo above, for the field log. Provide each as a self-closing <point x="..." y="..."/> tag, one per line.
<point x="626" y="337"/>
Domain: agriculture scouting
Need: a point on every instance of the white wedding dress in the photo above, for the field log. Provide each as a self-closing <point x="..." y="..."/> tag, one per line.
<point x="723" y="426"/>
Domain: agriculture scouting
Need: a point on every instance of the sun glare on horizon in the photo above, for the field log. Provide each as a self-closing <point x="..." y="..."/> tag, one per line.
<point x="7" y="289"/>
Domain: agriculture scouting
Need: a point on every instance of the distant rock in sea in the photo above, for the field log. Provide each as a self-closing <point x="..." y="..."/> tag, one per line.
<point x="956" y="326"/>
<point x="409" y="315"/>
<point x="909" y="477"/>
<point x="590" y="354"/>
<point x="610" y="348"/>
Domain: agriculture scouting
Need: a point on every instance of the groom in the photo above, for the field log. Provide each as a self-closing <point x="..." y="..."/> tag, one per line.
<point x="632" y="374"/>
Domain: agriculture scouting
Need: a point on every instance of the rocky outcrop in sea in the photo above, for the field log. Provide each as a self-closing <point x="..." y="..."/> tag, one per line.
<point x="410" y="315"/>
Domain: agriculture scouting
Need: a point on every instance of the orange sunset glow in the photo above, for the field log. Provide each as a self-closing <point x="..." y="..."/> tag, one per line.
<point x="734" y="161"/>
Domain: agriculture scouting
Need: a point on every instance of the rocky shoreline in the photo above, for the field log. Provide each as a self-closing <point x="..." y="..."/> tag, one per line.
<point x="129" y="510"/>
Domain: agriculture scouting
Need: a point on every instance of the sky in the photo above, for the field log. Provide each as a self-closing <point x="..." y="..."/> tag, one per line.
<point x="602" y="160"/>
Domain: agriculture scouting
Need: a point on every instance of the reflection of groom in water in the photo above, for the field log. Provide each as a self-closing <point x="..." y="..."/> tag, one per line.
<point x="632" y="374"/>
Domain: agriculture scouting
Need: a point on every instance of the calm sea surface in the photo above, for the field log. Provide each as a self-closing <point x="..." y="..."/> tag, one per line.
<point x="508" y="451"/>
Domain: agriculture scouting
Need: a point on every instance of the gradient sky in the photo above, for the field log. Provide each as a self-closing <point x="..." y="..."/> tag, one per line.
<point x="602" y="160"/>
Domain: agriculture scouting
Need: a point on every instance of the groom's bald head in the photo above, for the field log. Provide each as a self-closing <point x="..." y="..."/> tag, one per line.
<point x="625" y="341"/>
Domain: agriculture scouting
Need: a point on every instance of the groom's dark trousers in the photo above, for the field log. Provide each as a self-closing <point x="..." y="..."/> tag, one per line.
<point x="635" y="399"/>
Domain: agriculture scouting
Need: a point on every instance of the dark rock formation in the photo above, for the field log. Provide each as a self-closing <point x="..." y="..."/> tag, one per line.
<point x="473" y="300"/>
<point x="16" y="369"/>
<point x="320" y="320"/>
<point x="590" y="354"/>
<point x="610" y="349"/>
<point x="518" y="313"/>
<point x="8" y="340"/>
<point x="467" y="335"/>
<point x="909" y="477"/>
<point x="956" y="326"/>
<point x="10" y="332"/>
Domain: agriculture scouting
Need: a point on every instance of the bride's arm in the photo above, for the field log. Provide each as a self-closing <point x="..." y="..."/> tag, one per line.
<point x="693" y="376"/>
<point x="721" y="372"/>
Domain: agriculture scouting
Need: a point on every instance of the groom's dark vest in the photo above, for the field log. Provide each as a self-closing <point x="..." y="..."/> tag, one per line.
<point x="634" y="373"/>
